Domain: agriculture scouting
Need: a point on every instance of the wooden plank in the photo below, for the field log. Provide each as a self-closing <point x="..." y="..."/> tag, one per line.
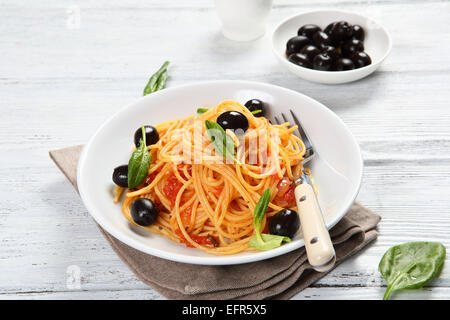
<point x="323" y="293"/>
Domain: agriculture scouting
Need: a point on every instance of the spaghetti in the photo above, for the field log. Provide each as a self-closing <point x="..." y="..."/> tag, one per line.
<point x="209" y="204"/>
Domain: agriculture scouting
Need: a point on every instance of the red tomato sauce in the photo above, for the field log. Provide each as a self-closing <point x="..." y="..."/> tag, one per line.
<point x="208" y="241"/>
<point x="285" y="196"/>
<point x="186" y="215"/>
<point x="171" y="188"/>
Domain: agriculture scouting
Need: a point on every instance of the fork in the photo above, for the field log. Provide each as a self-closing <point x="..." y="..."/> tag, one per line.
<point x="319" y="249"/>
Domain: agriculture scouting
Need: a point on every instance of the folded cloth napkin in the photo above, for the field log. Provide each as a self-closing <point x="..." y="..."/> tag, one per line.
<point x="276" y="278"/>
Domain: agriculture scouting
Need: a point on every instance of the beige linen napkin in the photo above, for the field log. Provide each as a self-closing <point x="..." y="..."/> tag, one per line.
<point x="276" y="278"/>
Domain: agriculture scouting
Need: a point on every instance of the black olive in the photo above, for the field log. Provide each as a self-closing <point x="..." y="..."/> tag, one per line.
<point x="352" y="46"/>
<point x="331" y="51"/>
<point x="233" y="120"/>
<point x="310" y="51"/>
<point x="361" y="59"/>
<point x="329" y="27"/>
<point x="300" y="60"/>
<point x="322" y="62"/>
<point x="295" y="44"/>
<point x="340" y="31"/>
<point x="120" y="176"/>
<point x="255" y="105"/>
<point x="343" y="64"/>
<point x="151" y="136"/>
<point x="321" y="39"/>
<point x="285" y="223"/>
<point x="308" y="30"/>
<point x="144" y="212"/>
<point x="358" y="32"/>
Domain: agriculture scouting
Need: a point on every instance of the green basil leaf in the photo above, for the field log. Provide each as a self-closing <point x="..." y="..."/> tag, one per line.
<point x="161" y="82"/>
<point x="229" y="145"/>
<point x="270" y="241"/>
<point x="217" y="136"/>
<point x="201" y="110"/>
<point x="263" y="241"/>
<point x="152" y="84"/>
<point x="139" y="164"/>
<point x="411" y="265"/>
<point x="260" y="209"/>
<point x="222" y="142"/>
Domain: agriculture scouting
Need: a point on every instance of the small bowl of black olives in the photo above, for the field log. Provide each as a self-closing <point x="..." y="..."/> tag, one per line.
<point x="331" y="46"/>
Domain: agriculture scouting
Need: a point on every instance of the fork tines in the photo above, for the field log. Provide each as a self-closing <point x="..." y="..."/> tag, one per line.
<point x="301" y="133"/>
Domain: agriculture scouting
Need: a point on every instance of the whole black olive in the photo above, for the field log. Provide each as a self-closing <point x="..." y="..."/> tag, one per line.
<point x="308" y="30"/>
<point x="310" y="51"/>
<point x="340" y="31"/>
<point x="300" y="60"/>
<point x="295" y="44"/>
<point x="329" y="27"/>
<point x="120" y="176"/>
<point x="321" y="39"/>
<point x="285" y="223"/>
<point x="255" y="105"/>
<point x="361" y="59"/>
<point x="151" y="136"/>
<point x="352" y="46"/>
<point x="358" y="32"/>
<point x="343" y="64"/>
<point x="144" y="212"/>
<point x="233" y="120"/>
<point x="322" y="62"/>
<point x="331" y="51"/>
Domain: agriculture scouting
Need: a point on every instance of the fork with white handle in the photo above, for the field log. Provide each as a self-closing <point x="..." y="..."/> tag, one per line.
<point x="320" y="251"/>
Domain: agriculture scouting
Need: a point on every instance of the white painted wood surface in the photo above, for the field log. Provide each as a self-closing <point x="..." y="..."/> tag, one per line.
<point x="59" y="82"/>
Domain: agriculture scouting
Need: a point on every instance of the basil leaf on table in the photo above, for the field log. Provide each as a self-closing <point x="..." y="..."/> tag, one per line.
<point x="262" y="241"/>
<point x="411" y="265"/>
<point x="157" y="80"/>
<point x="139" y="164"/>
<point x="201" y="110"/>
<point x="161" y="82"/>
<point x="222" y="142"/>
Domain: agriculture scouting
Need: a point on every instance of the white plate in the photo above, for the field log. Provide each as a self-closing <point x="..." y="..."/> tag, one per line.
<point x="338" y="182"/>
<point x="377" y="44"/>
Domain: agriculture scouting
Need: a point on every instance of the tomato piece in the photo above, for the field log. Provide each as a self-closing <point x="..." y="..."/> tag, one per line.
<point x="285" y="196"/>
<point x="171" y="188"/>
<point x="289" y="196"/>
<point x="283" y="186"/>
<point x="208" y="241"/>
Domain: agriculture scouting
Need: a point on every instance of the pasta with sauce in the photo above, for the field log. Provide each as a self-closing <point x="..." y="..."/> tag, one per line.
<point x="209" y="204"/>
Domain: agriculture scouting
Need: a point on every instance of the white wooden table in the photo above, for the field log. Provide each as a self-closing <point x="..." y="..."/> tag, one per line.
<point x="61" y="77"/>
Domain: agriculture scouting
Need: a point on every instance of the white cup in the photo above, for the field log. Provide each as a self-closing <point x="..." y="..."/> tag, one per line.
<point x="243" y="20"/>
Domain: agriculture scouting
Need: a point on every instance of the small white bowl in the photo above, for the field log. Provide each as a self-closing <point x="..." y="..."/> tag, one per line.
<point x="377" y="44"/>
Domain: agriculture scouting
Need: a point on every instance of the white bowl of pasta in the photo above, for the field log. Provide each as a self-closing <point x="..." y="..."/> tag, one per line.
<point x="205" y="209"/>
